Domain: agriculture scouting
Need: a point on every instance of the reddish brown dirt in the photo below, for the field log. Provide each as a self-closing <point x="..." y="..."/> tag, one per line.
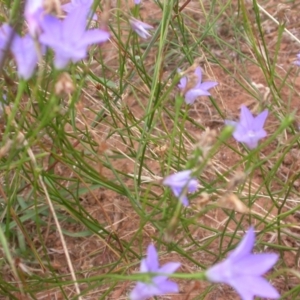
<point x="109" y="207"/>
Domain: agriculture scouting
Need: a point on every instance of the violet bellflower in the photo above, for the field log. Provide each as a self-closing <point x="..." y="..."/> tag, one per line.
<point x="249" y="130"/>
<point x="25" y="53"/>
<point x="69" y="38"/>
<point x="140" y="28"/>
<point x="23" y="50"/>
<point x="159" y="284"/>
<point x="243" y="270"/>
<point x="199" y="88"/>
<point x="181" y="183"/>
<point x="136" y="2"/>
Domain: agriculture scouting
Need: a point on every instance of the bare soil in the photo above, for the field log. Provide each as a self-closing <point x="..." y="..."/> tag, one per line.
<point x="116" y="212"/>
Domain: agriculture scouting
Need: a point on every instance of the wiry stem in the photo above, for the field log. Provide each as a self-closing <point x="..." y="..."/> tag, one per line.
<point x="278" y="23"/>
<point x="64" y="244"/>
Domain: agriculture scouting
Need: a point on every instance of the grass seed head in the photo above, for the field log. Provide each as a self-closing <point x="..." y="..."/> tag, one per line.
<point x="52" y="6"/>
<point x="206" y="141"/>
<point x="231" y="201"/>
<point x="64" y="84"/>
<point x="237" y="179"/>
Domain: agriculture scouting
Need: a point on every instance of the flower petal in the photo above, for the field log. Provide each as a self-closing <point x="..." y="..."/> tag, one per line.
<point x="182" y="83"/>
<point x="246" y="118"/>
<point x="151" y="261"/>
<point x="184" y="200"/>
<point x="25" y="55"/>
<point x="140" y="28"/>
<point x="5" y="31"/>
<point x="198" y="73"/>
<point x="257" y="264"/>
<point x="220" y="272"/>
<point x="241" y="133"/>
<point x="207" y="85"/>
<point x="143" y="291"/>
<point x="230" y="123"/>
<point x="181" y="183"/>
<point x="167" y="287"/>
<point x="61" y="61"/>
<point x="192" y="94"/>
<point x="74" y="24"/>
<point x="68" y="7"/>
<point x="52" y="30"/>
<point x="181" y="177"/>
<point x="251" y="142"/>
<point x="248" y="286"/>
<point x="259" y="120"/>
<point x="192" y="185"/>
<point x="244" y="247"/>
<point x="94" y="36"/>
<point x="169" y="268"/>
<point x="260" y="134"/>
<point x="75" y="3"/>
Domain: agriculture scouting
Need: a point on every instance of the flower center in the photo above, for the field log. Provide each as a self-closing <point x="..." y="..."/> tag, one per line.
<point x="251" y="133"/>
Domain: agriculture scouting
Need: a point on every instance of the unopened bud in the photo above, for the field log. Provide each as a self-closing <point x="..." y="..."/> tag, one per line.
<point x="64" y="84"/>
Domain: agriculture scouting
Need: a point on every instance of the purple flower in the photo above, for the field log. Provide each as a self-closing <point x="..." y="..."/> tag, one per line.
<point x="136" y="2"/>
<point x="140" y="28"/>
<point x="23" y="49"/>
<point x="243" y="270"/>
<point x="69" y="38"/>
<point x="34" y="15"/>
<point x="5" y="31"/>
<point x="75" y="3"/>
<point x="249" y="129"/>
<point x="297" y="62"/>
<point x="159" y="284"/>
<point x="198" y="88"/>
<point x="181" y="183"/>
<point x="25" y="53"/>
